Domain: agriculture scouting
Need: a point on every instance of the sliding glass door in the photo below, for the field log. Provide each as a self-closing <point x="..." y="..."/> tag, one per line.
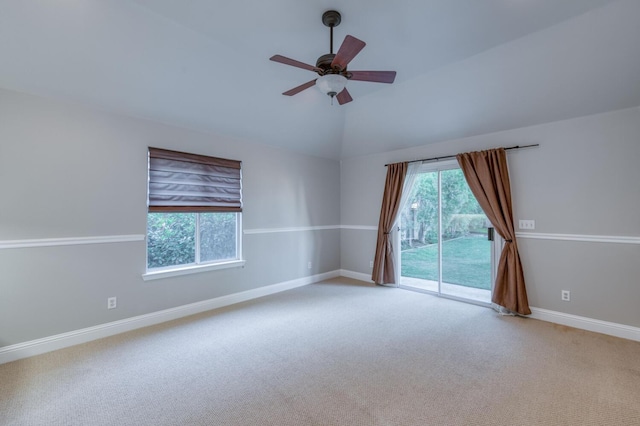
<point x="444" y="237"/>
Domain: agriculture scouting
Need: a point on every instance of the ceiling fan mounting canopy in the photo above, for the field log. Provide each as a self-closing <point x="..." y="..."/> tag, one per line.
<point x="331" y="18"/>
<point x="332" y="67"/>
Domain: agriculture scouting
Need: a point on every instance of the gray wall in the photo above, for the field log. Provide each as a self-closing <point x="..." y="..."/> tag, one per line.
<point x="583" y="179"/>
<point x="68" y="171"/>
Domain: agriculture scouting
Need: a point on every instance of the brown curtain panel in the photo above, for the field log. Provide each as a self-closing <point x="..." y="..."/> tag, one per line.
<point x="488" y="177"/>
<point x="383" y="263"/>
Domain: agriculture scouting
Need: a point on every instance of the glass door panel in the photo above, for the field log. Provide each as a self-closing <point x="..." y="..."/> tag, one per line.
<point x="444" y="244"/>
<point x="466" y="250"/>
<point x="419" y="235"/>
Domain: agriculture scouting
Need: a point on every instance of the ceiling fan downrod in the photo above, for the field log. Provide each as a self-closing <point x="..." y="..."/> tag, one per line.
<point x="331" y="19"/>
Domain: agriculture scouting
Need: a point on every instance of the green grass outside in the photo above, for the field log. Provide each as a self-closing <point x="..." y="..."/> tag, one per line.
<point x="466" y="261"/>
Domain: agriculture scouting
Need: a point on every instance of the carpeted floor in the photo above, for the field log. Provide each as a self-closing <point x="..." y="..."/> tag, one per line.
<point x="339" y="352"/>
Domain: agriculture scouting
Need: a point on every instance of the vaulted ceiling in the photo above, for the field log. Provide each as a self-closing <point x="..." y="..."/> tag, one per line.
<point x="465" y="67"/>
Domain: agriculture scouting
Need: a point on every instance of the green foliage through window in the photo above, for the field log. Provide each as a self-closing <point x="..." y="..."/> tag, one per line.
<point x="461" y="213"/>
<point x="172" y="239"/>
<point x="217" y="236"/>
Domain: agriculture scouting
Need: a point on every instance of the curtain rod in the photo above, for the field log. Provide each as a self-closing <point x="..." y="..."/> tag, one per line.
<point x="448" y="157"/>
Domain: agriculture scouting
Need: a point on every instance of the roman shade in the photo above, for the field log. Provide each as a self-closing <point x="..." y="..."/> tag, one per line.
<point x="182" y="182"/>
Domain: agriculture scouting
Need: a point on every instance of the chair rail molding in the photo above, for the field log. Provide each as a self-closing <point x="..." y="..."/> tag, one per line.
<point x="289" y="229"/>
<point x="52" y="242"/>
<point x="360" y="227"/>
<point x="579" y="237"/>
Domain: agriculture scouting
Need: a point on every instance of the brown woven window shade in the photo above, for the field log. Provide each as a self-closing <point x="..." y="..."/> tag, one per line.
<point x="181" y="182"/>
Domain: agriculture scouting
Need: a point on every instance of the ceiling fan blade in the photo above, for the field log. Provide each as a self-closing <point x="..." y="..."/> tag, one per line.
<point x="344" y="97"/>
<point x="292" y="62"/>
<point x="374" y="76"/>
<point x="350" y="47"/>
<point x="300" y="88"/>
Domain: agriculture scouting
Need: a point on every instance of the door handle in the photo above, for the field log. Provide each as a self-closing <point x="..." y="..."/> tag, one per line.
<point x="490" y="233"/>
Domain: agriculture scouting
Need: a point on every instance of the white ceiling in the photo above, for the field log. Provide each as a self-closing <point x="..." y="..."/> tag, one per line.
<point x="465" y="67"/>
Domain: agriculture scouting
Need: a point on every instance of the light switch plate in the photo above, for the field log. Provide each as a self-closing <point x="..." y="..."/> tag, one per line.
<point x="527" y="224"/>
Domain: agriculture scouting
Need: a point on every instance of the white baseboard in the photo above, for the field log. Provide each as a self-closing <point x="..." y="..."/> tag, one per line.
<point x="63" y="340"/>
<point x="589" y="324"/>
<point x="356" y="275"/>
<point x="583" y="323"/>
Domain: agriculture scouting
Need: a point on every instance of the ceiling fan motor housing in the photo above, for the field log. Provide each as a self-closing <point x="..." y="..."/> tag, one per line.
<point x="324" y="66"/>
<point x="324" y="62"/>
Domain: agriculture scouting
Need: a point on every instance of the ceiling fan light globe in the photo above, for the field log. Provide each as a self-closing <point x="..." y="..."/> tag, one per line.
<point x="331" y="84"/>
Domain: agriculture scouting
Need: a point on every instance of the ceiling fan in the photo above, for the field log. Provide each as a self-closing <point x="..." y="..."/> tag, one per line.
<point x="332" y="68"/>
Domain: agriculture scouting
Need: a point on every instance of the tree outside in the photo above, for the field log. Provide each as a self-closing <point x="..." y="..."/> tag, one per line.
<point x="461" y="213"/>
<point x="171" y="239"/>
<point x="217" y="236"/>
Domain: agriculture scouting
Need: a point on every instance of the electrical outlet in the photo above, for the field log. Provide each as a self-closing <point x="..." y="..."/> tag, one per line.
<point x="527" y="224"/>
<point x="566" y="296"/>
<point x="111" y="303"/>
<point x="371" y="264"/>
<point x="309" y="265"/>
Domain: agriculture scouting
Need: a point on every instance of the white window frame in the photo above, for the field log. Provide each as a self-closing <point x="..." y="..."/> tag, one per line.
<point x="193" y="268"/>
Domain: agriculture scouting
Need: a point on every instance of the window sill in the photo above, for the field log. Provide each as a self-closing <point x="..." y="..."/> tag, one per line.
<point x="192" y="269"/>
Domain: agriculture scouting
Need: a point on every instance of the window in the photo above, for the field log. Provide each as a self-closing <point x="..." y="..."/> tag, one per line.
<point x="175" y="239"/>
<point x="194" y="211"/>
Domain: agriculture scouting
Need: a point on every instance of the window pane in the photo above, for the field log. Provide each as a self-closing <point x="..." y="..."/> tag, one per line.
<point x="218" y="236"/>
<point x="171" y="239"/>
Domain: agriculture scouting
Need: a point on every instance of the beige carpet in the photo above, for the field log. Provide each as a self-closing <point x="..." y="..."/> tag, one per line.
<point x="335" y="353"/>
